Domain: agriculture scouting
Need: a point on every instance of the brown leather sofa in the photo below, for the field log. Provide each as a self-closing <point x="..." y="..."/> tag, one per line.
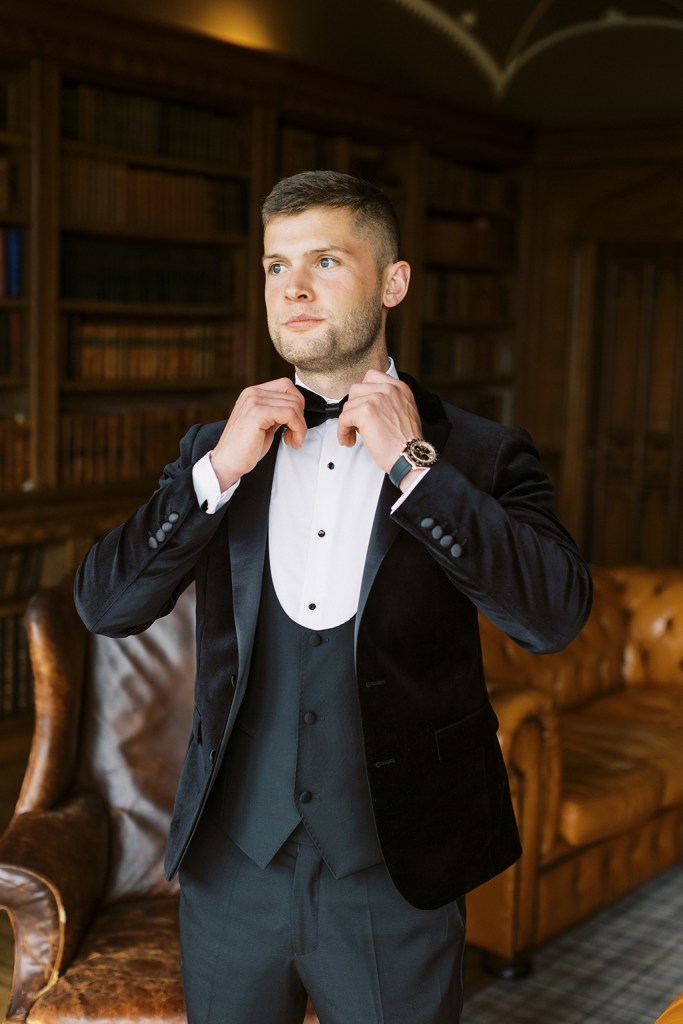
<point x="592" y="738"/>
<point x="593" y="741"/>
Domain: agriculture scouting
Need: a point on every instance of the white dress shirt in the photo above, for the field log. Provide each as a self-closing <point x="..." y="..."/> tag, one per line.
<point x="322" y="507"/>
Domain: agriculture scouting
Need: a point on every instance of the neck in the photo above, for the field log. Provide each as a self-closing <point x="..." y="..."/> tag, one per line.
<point x="337" y="384"/>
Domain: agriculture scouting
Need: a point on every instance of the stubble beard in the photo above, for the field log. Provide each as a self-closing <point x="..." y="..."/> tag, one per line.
<point x="339" y="346"/>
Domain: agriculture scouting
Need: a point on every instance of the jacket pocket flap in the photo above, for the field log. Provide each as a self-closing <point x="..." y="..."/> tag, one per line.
<point x="467" y="734"/>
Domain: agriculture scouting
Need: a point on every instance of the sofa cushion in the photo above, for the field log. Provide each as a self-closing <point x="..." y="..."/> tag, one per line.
<point x="647" y="723"/>
<point x="607" y="786"/>
<point x="127" y="968"/>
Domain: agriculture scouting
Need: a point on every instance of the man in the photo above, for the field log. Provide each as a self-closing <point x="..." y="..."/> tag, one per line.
<point x="343" y="786"/>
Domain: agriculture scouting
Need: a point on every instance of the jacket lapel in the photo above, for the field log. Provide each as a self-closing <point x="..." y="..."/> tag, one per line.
<point x="247" y="537"/>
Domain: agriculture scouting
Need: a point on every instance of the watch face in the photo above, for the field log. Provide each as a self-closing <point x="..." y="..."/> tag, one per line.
<point x="420" y="453"/>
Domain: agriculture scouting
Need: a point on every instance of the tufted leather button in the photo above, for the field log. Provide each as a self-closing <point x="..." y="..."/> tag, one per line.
<point x="167" y="527"/>
<point x="310" y="718"/>
<point x="446" y="540"/>
<point x="152" y="543"/>
<point x="427" y="523"/>
<point x="160" y="535"/>
<point x="456" y="551"/>
<point x="173" y="517"/>
<point x="305" y="797"/>
<point x="437" y="532"/>
<point x="315" y="639"/>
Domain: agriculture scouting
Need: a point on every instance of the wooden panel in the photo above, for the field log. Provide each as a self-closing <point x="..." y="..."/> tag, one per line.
<point x="638" y="427"/>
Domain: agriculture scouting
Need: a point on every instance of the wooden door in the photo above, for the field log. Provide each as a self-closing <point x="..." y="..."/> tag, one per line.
<point x="635" y="493"/>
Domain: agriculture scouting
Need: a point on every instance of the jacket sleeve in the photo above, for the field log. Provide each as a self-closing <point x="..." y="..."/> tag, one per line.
<point x="499" y="542"/>
<point x="134" y="574"/>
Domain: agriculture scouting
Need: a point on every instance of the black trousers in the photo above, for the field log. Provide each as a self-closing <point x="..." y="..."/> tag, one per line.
<point x="256" y="942"/>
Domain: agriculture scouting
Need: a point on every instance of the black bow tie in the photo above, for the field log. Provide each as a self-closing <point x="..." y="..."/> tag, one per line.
<point x="317" y="410"/>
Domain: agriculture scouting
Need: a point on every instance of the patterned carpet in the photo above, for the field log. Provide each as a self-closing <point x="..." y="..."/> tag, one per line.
<point x="623" y="966"/>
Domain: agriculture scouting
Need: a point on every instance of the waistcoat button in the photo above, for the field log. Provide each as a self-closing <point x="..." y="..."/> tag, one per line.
<point x="315" y="639"/>
<point x="310" y="717"/>
<point x="305" y="797"/>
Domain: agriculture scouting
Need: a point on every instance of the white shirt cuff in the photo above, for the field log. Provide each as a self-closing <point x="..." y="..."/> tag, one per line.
<point x="207" y="487"/>
<point x="419" y="475"/>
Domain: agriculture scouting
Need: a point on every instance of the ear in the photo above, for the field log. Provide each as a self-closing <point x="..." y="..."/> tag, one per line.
<point x="396" y="280"/>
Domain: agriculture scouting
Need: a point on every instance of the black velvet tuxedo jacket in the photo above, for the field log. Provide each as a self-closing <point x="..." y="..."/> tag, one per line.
<point x="477" y="532"/>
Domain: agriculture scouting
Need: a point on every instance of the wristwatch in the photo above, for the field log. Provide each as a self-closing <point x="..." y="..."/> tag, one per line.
<point x="417" y="454"/>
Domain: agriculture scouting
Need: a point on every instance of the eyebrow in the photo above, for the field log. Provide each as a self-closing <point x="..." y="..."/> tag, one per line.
<point x="309" y="252"/>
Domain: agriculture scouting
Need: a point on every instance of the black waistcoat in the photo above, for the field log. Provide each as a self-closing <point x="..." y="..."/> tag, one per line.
<point x="296" y="752"/>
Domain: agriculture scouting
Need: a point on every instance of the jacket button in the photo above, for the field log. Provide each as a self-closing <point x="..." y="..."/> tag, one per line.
<point x="305" y="797"/>
<point x="456" y="551"/>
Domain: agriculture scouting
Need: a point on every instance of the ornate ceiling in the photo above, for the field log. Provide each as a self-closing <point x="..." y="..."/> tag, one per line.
<point x="550" y="62"/>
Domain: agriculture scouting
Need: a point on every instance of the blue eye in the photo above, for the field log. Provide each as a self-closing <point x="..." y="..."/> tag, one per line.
<point x="276" y="268"/>
<point x="327" y="261"/>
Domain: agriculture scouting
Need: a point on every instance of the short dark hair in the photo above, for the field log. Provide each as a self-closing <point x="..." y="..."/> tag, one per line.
<point x="374" y="212"/>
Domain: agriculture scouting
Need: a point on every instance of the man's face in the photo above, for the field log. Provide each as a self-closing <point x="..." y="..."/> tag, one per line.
<point x="323" y="290"/>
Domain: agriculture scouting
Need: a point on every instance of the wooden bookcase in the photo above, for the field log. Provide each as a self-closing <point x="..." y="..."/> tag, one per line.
<point x="132" y="169"/>
<point x="469" y="285"/>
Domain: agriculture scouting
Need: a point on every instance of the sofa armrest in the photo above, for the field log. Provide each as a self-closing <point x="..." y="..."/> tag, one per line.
<point x="53" y="865"/>
<point x="529" y="736"/>
<point x="501" y="913"/>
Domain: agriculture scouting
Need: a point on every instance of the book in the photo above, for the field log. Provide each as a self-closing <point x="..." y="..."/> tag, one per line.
<point x="110" y="193"/>
<point x="126" y="443"/>
<point x="110" y="270"/>
<point x="123" y="120"/>
<point x="130" y="350"/>
<point x="12" y="362"/>
<point x="15" y="468"/>
<point x="13" y="262"/>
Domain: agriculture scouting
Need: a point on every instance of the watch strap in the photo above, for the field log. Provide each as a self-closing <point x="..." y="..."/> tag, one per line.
<point x="399" y="469"/>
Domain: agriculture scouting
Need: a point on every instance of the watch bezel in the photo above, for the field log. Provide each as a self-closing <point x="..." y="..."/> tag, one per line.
<point x="419" y="453"/>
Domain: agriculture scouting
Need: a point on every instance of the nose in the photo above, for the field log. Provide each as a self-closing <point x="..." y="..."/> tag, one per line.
<point x="299" y="287"/>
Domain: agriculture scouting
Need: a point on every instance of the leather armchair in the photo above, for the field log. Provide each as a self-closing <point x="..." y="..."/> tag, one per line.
<point x="95" y="922"/>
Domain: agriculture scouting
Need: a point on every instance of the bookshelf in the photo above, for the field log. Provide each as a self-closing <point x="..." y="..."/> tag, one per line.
<point x="133" y="165"/>
<point x="14" y="222"/>
<point x="469" y="287"/>
<point x="154" y="199"/>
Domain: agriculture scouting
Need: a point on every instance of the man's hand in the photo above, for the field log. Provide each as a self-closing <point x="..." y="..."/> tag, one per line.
<point x="249" y="432"/>
<point x="383" y="411"/>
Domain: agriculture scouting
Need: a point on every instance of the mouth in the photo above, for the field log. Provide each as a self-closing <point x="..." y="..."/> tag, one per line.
<point x="302" y="321"/>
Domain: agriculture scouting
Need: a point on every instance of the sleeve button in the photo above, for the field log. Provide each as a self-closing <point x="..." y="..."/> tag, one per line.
<point x="173" y="517"/>
<point x="161" y="536"/>
<point x="456" y="551"/>
<point x="427" y="524"/>
<point x="446" y="540"/>
<point x="437" y="532"/>
<point x="152" y="543"/>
